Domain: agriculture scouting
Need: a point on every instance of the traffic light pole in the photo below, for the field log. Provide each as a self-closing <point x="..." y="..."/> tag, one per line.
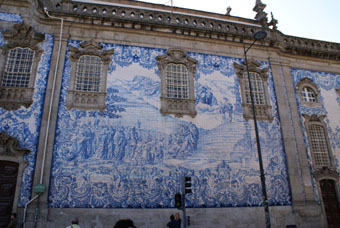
<point x="184" y="216"/>
<point x="180" y="198"/>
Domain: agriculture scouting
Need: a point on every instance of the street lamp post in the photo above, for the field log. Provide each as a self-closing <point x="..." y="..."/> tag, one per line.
<point x="259" y="35"/>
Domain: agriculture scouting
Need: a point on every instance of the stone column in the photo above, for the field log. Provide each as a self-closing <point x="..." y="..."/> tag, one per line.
<point x="44" y="159"/>
<point x="305" y="207"/>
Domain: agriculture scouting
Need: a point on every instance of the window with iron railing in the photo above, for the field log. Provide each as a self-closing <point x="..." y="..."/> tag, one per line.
<point x="88" y="73"/>
<point x="308" y="94"/>
<point x="18" y="68"/>
<point x="257" y="88"/>
<point x="318" y="144"/>
<point x="177" y="81"/>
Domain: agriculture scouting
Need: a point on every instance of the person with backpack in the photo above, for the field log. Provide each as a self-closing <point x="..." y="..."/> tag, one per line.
<point x="75" y="223"/>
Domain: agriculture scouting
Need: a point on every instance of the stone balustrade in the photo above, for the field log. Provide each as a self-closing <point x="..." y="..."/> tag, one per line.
<point x="11" y="98"/>
<point x="86" y="100"/>
<point x="164" y="20"/>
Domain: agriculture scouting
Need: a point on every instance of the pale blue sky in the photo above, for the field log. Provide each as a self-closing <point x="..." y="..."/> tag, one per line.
<point x="313" y="19"/>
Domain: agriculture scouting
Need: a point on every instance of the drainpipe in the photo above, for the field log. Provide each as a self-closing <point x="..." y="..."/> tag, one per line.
<point x="49" y="113"/>
<point x="52" y="93"/>
<point x="24" y="218"/>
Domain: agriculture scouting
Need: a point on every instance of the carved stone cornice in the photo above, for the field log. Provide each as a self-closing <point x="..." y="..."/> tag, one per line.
<point x="326" y="173"/>
<point x="305" y="80"/>
<point x="314" y="118"/>
<point x="253" y="66"/>
<point x="22" y="35"/>
<point x="91" y="48"/>
<point x="177" y="56"/>
<point x="9" y="146"/>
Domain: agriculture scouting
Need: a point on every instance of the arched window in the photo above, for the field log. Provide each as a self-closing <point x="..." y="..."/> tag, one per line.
<point x="308" y="92"/>
<point x="177" y="72"/>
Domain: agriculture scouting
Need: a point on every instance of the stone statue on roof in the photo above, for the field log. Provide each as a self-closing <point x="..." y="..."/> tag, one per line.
<point x="273" y="22"/>
<point x="228" y="11"/>
<point x="261" y="16"/>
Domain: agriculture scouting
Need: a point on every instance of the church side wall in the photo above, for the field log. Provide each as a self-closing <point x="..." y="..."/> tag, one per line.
<point x="128" y="160"/>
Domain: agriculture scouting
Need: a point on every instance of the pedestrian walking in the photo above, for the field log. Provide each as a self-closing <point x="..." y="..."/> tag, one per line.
<point x="124" y="223"/>
<point x="75" y="223"/>
<point x="13" y="223"/>
<point x="172" y="223"/>
<point x="178" y="220"/>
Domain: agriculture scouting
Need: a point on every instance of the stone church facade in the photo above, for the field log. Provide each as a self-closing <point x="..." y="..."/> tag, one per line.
<point x="106" y="105"/>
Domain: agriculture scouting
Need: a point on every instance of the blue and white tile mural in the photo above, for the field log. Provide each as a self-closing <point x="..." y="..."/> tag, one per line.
<point x="327" y="83"/>
<point x="10" y="17"/>
<point x="24" y="123"/>
<point x="131" y="156"/>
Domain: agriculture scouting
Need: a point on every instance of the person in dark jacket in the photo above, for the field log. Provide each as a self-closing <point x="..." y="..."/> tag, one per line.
<point x="124" y="223"/>
<point x="178" y="220"/>
<point x="75" y="222"/>
<point x="13" y="223"/>
<point x="172" y="223"/>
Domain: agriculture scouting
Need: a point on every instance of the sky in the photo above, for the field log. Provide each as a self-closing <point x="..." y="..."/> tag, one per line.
<point x="313" y="19"/>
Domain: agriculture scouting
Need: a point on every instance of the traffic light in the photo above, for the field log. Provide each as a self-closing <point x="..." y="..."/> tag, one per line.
<point x="187" y="185"/>
<point x="188" y="220"/>
<point x="178" y="200"/>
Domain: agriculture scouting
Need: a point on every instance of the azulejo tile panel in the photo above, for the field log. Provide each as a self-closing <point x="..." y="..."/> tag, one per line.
<point x="10" y="17"/>
<point x="327" y="83"/>
<point x="24" y="123"/>
<point x="130" y="156"/>
<point x="2" y="41"/>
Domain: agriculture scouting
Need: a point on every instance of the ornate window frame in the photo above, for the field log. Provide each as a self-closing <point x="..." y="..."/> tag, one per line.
<point x="21" y="36"/>
<point x="177" y="106"/>
<point x="263" y="111"/>
<point x="308" y="83"/>
<point x="10" y="151"/>
<point x="88" y="100"/>
<point x="318" y="121"/>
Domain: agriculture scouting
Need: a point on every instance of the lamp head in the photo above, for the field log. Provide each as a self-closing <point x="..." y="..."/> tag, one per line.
<point x="259" y="35"/>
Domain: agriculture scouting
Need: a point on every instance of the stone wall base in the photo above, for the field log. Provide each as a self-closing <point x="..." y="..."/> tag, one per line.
<point x="240" y="217"/>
